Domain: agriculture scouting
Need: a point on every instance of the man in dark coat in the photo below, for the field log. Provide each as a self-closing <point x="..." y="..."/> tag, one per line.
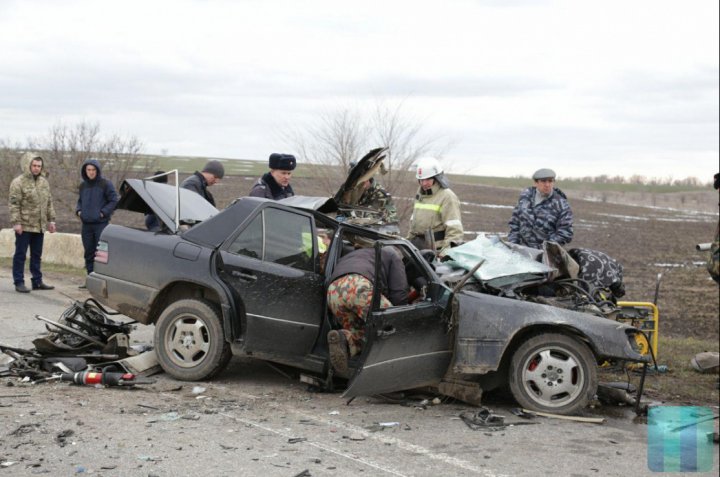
<point x="276" y="183"/>
<point x="95" y="205"/>
<point x="200" y="181"/>
<point x="542" y="214"/>
<point x="349" y="297"/>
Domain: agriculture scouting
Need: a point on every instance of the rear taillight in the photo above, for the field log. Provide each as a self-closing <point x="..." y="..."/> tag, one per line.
<point x="101" y="253"/>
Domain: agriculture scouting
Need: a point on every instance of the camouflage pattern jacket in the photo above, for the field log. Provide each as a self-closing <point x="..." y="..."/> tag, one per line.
<point x="30" y="201"/>
<point x="550" y="220"/>
<point x="437" y="209"/>
<point x="375" y="197"/>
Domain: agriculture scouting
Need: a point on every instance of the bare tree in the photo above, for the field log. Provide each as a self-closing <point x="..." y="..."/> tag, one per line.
<point x="66" y="148"/>
<point x="345" y="135"/>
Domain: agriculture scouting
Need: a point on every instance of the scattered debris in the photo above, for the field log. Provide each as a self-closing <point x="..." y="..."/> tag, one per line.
<point x="706" y="362"/>
<point x="61" y="438"/>
<point x="616" y="393"/>
<point x="483" y="419"/>
<point x="592" y="420"/>
<point x="83" y="347"/>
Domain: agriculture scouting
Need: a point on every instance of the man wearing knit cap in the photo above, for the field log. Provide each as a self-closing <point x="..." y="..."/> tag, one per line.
<point x="276" y="183"/>
<point x="200" y="181"/>
<point x="542" y="214"/>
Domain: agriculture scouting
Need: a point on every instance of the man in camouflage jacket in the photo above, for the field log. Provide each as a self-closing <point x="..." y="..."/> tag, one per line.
<point x="31" y="212"/>
<point x="542" y="214"/>
<point x="374" y="196"/>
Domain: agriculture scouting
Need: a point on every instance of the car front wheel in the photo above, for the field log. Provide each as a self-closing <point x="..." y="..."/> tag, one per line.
<point x="553" y="373"/>
<point x="189" y="340"/>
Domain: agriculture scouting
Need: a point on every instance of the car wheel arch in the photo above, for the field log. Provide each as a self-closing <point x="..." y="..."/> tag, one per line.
<point x="179" y="290"/>
<point x="524" y="334"/>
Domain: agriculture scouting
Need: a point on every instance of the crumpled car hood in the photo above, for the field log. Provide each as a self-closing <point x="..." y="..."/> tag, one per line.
<point x="365" y="169"/>
<point x="503" y="263"/>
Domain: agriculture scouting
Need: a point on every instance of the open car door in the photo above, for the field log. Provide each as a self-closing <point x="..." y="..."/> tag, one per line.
<point x="407" y="346"/>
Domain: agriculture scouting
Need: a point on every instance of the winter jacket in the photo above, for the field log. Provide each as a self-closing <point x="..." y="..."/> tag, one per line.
<point x="437" y="209"/>
<point x="97" y="198"/>
<point x="30" y="201"/>
<point x="393" y="281"/>
<point x="268" y="187"/>
<point x="197" y="183"/>
<point x="550" y="220"/>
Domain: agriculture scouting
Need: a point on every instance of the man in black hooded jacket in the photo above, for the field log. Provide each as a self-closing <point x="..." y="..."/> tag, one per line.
<point x="96" y="203"/>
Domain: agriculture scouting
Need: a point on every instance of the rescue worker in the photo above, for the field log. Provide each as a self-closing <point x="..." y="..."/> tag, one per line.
<point x="541" y="214"/>
<point x="350" y="294"/>
<point x="436" y="209"/>
<point x="31" y="212"/>
<point x="200" y="181"/>
<point x="276" y="183"/>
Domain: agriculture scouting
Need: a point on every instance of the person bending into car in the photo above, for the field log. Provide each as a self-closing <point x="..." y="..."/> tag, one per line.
<point x="350" y="294"/>
<point x="275" y="184"/>
<point x="200" y="181"/>
<point x="436" y="209"/>
<point x="541" y="214"/>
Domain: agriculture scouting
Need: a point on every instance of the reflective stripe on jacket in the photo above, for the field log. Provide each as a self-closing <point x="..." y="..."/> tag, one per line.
<point x="437" y="209"/>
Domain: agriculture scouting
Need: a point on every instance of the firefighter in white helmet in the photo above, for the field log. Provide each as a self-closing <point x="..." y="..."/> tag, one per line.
<point x="436" y="212"/>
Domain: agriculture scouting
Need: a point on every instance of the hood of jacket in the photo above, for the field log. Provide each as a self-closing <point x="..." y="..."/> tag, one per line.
<point x="25" y="161"/>
<point x="92" y="162"/>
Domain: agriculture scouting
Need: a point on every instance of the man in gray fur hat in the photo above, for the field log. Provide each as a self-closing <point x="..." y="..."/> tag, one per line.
<point x="542" y="214"/>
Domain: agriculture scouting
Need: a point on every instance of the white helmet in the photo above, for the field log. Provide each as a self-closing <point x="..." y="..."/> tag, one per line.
<point x="428" y="167"/>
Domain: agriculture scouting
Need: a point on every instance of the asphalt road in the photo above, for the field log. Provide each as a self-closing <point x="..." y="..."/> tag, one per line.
<point x="256" y="420"/>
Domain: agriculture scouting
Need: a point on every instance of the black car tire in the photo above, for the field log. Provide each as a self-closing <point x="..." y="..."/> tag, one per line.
<point x="553" y="373"/>
<point x="189" y="340"/>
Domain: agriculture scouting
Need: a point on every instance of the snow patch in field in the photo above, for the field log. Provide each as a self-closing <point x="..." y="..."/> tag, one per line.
<point x="488" y="206"/>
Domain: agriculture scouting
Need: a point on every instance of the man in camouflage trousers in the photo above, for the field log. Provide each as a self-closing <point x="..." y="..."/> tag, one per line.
<point x="350" y="295"/>
<point x="31" y="212"/>
<point x="541" y="214"/>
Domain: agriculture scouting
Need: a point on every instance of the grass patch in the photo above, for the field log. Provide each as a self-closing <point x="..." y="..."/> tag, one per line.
<point x="681" y="383"/>
<point x="6" y="262"/>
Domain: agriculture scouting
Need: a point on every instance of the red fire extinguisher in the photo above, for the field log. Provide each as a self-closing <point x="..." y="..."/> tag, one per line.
<point x="104" y="378"/>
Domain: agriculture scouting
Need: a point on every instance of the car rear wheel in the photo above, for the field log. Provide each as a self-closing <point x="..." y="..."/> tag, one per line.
<point x="189" y="340"/>
<point x="553" y="373"/>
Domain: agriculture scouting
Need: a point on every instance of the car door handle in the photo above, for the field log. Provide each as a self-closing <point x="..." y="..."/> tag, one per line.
<point x="243" y="276"/>
<point x="384" y="333"/>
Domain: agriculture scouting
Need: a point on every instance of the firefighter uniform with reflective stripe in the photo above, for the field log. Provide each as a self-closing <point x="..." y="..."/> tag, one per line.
<point x="438" y="209"/>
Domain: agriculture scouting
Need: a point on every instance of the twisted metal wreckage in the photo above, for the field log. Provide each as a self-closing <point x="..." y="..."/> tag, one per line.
<point x="83" y="347"/>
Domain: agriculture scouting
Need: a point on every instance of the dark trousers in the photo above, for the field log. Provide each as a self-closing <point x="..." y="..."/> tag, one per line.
<point x="90" y="236"/>
<point x="34" y="240"/>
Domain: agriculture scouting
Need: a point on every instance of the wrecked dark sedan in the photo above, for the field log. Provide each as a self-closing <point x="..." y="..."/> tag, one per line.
<point x="250" y="281"/>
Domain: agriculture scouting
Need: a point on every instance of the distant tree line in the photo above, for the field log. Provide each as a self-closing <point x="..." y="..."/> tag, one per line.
<point x="641" y="180"/>
<point x="64" y="149"/>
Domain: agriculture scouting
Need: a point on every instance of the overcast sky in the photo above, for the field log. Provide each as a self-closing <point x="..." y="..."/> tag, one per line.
<point x="584" y="87"/>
